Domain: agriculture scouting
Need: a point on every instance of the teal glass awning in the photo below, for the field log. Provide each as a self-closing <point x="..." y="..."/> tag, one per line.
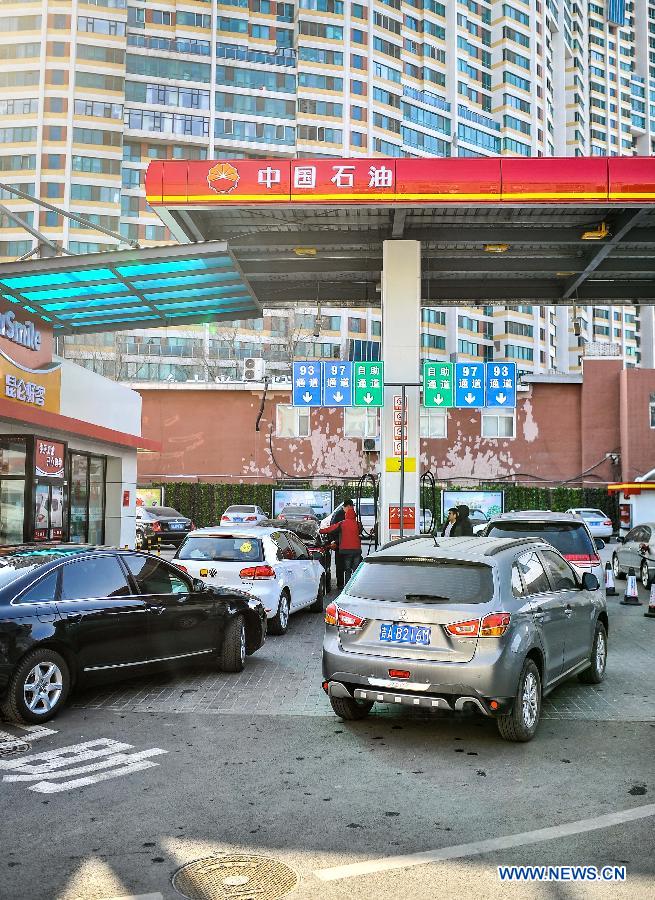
<point x="127" y="289"/>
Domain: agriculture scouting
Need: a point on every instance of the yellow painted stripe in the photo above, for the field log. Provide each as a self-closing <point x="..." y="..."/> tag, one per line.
<point x="555" y="195"/>
<point x="630" y="195"/>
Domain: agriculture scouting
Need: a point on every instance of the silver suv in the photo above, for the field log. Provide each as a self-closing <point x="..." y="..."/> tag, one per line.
<point x="460" y="623"/>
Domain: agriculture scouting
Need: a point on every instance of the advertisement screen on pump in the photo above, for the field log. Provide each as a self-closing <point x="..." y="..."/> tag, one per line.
<point x="486" y="503"/>
<point x="321" y="502"/>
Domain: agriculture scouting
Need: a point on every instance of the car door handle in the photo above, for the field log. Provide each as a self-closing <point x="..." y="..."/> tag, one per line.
<point x="568" y="611"/>
<point x="156" y="609"/>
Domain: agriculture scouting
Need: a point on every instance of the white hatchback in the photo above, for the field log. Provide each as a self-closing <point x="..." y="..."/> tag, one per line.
<point x="271" y="563"/>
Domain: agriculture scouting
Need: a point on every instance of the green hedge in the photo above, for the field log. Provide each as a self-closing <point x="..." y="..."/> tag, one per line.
<point x="205" y="503"/>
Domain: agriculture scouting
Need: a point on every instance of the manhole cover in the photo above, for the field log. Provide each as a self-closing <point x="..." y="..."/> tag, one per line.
<point x="13" y="748"/>
<point x="235" y="876"/>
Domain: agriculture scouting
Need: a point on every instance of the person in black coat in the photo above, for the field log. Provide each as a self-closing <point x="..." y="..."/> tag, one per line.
<point x="339" y="516"/>
<point x="463" y="526"/>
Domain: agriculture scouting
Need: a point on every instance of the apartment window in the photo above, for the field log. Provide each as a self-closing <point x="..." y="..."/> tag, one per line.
<point x="433" y="316"/>
<point x="433" y="341"/>
<point x="291" y="422"/>
<point x="161" y="17"/>
<point x="433" y="423"/>
<point x="356" y="325"/>
<point x="513" y="351"/>
<point x="498" y="426"/>
<point x="360" y="423"/>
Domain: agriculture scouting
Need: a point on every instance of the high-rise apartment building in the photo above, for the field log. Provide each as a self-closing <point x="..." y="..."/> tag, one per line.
<point x="92" y="90"/>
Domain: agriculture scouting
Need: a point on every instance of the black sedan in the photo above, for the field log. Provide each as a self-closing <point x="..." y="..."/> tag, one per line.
<point x="157" y="525"/>
<point x="73" y="613"/>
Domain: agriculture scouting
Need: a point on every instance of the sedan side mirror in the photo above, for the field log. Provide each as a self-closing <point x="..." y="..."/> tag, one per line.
<point x="620" y="539"/>
<point x="198" y="585"/>
<point x="590" y="582"/>
<point x="600" y="544"/>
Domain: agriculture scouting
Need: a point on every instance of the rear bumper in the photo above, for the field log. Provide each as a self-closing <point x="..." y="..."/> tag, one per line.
<point x="444" y="702"/>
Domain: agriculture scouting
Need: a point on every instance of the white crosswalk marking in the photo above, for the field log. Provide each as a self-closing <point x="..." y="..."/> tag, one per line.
<point x="101" y="759"/>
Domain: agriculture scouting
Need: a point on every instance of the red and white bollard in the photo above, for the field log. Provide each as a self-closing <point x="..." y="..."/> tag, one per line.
<point x="610" y="589"/>
<point x="631" y="596"/>
<point x="650" y="612"/>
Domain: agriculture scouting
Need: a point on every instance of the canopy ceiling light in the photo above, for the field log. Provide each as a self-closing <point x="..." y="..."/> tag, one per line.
<point x="496" y="248"/>
<point x="596" y="234"/>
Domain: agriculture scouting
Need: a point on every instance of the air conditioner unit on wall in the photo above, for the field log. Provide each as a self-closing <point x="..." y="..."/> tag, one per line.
<point x="253" y="369"/>
<point x="371" y="445"/>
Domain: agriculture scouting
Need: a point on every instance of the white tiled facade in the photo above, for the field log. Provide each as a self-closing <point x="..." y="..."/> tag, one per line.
<point x="91" y="90"/>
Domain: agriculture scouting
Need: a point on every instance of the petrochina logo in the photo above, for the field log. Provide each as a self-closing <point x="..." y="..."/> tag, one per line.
<point x="223" y="178"/>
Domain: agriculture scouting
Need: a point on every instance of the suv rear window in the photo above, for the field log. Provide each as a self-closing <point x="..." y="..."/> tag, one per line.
<point x="422" y="581"/>
<point x="222" y="549"/>
<point x="569" y="538"/>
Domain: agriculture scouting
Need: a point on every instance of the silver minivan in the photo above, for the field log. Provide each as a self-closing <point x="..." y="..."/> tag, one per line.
<point x="464" y="623"/>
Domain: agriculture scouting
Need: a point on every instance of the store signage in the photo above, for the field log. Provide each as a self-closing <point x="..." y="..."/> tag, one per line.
<point x="23" y="333"/>
<point x="49" y="458"/>
<point x="437" y="385"/>
<point x="35" y="388"/>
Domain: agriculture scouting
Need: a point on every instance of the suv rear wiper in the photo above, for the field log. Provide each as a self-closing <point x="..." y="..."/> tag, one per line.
<point x="434" y="598"/>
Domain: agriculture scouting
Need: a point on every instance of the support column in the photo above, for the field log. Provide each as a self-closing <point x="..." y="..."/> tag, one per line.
<point x="401" y="329"/>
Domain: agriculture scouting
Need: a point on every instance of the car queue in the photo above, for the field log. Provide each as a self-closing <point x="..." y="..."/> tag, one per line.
<point x="489" y="622"/>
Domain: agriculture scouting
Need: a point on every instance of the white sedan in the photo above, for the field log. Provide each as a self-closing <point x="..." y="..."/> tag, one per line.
<point x="250" y="514"/>
<point x="271" y="563"/>
<point x="598" y="522"/>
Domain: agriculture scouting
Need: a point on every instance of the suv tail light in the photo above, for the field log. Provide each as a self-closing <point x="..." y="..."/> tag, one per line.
<point x="250" y="519"/>
<point x="495" y="624"/>
<point x="156" y="526"/>
<point x="464" y="629"/>
<point x="182" y="568"/>
<point x="257" y="573"/>
<point x="589" y="559"/>
<point x="608" y="522"/>
<point x="341" y="617"/>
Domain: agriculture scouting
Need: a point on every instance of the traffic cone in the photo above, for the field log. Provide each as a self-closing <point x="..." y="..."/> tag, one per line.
<point x="650" y="612"/>
<point x="631" y="596"/>
<point x="610" y="590"/>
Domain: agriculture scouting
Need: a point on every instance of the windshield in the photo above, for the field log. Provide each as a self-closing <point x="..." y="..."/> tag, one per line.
<point x="591" y="514"/>
<point x="422" y="581"/>
<point x="164" y="511"/>
<point x="222" y="549"/>
<point x="240" y="509"/>
<point x="567" y="537"/>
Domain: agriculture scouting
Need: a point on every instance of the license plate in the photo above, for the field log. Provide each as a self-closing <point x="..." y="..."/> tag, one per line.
<point x="238" y="519"/>
<point x="405" y="634"/>
<point x="176" y="526"/>
<point x="595" y="524"/>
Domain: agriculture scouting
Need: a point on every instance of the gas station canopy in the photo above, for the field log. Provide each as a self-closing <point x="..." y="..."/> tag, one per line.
<point x="504" y="230"/>
<point x="131" y="288"/>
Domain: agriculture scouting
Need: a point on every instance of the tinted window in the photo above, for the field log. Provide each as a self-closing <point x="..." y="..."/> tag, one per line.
<point x="367" y="509"/>
<point x="533" y="574"/>
<point x="632" y="535"/>
<point x="567" y="537"/>
<point x="561" y="576"/>
<point x="427" y="580"/>
<point x="280" y="540"/>
<point x="222" y="549"/>
<point x="165" y="511"/>
<point x="100" y="576"/>
<point x="240" y="509"/>
<point x="154" y="577"/>
<point x="43" y="590"/>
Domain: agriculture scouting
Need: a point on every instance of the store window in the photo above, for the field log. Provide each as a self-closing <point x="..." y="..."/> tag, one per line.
<point x="12" y="489"/>
<point x="87" y="499"/>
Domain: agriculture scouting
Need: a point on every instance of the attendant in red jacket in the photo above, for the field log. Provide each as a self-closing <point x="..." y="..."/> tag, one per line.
<point x="350" y="543"/>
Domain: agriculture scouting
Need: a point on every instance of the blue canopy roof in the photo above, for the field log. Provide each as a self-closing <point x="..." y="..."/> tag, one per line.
<point x="145" y="288"/>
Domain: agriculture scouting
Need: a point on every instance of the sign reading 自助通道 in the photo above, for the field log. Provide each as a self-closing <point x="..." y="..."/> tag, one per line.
<point x="437" y="385"/>
<point x="369" y="384"/>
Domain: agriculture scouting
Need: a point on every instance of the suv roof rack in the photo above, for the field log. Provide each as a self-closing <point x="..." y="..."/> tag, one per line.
<point x="403" y="540"/>
<point x="509" y="542"/>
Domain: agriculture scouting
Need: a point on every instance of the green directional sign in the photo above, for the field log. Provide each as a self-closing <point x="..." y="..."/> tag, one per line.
<point x="368" y="380"/>
<point x="437" y="385"/>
